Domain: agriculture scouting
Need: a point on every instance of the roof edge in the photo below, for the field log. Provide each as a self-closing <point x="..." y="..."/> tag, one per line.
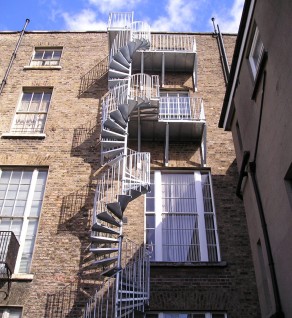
<point x="235" y="60"/>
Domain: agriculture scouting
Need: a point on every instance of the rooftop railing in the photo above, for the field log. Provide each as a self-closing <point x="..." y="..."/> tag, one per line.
<point x="181" y="108"/>
<point x="120" y="20"/>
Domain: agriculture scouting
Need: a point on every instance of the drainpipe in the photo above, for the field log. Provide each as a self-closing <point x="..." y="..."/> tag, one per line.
<point x="222" y="52"/>
<point x="252" y="172"/>
<point x="13" y="56"/>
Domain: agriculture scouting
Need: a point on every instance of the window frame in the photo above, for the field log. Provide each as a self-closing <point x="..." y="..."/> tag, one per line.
<point x="255" y="62"/>
<point x="35" y="131"/>
<point x="157" y="199"/>
<point x="7" y="311"/>
<point x="26" y="217"/>
<point x="42" y="60"/>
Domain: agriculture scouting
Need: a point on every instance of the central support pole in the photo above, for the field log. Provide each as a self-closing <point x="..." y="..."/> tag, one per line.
<point x="166" y="150"/>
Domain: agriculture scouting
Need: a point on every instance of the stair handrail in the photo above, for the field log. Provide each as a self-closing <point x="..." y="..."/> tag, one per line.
<point x="122" y="38"/>
<point x="140" y="86"/>
<point x="110" y="183"/>
<point x="115" y="97"/>
<point x="141" y="31"/>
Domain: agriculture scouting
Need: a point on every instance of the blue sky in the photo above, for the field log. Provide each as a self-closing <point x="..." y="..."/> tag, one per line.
<point x="85" y="15"/>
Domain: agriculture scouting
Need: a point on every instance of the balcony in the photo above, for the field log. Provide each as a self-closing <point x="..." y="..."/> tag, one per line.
<point x="8" y="253"/>
<point x="184" y="115"/>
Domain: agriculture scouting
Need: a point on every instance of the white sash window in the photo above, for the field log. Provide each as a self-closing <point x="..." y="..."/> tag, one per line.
<point x="180" y="218"/>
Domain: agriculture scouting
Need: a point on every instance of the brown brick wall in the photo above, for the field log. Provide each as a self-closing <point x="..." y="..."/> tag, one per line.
<point x="71" y="153"/>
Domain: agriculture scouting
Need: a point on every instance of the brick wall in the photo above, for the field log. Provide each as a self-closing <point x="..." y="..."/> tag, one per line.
<point x="71" y="153"/>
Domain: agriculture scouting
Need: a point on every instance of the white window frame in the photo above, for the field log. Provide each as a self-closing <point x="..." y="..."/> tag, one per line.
<point x="8" y="310"/>
<point x="158" y="214"/>
<point x="27" y="127"/>
<point x="256" y="52"/>
<point x="26" y="216"/>
<point x="42" y="61"/>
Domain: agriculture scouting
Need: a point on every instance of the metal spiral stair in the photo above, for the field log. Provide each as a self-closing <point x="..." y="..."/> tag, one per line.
<point x="127" y="177"/>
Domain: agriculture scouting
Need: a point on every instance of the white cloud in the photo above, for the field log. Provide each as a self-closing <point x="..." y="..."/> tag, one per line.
<point x="86" y="20"/>
<point x="106" y="6"/>
<point x="230" y="22"/>
<point x="179" y="16"/>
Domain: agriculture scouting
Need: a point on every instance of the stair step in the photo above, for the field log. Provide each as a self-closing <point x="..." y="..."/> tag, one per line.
<point x="112" y="143"/>
<point x="132" y="104"/>
<point x="98" y="251"/>
<point x="124" y="110"/>
<point x="115" y="208"/>
<point x="131" y="299"/>
<point x="106" y="217"/>
<point x="134" y="194"/>
<point x="105" y="133"/>
<point x="101" y="262"/>
<point x="119" y="57"/>
<point x="123" y="201"/>
<point x="113" y="153"/>
<point x="103" y="239"/>
<point x="112" y="73"/>
<point x="112" y="125"/>
<point x="125" y="51"/>
<point x="97" y="227"/>
<point x="118" y="117"/>
<point x="111" y="271"/>
<point x="118" y="66"/>
<point x="132" y="48"/>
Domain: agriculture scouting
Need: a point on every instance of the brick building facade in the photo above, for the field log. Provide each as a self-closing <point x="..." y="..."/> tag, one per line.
<point x="67" y="151"/>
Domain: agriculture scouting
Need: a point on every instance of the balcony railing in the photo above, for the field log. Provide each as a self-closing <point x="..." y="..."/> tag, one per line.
<point x="8" y="252"/>
<point x="144" y="86"/>
<point x="173" y="42"/>
<point x="181" y="108"/>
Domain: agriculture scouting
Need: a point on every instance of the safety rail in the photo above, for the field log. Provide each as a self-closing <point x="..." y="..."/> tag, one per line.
<point x="125" y="291"/>
<point x="122" y="38"/>
<point x="144" y="86"/>
<point x="111" y="183"/>
<point x="181" y="108"/>
<point x="141" y="30"/>
<point x="115" y="97"/>
<point x="8" y="252"/>
<point x="173" y="42"/>
<point x="118" y="20"/>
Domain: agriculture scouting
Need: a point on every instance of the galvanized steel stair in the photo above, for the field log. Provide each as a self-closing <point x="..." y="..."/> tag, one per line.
<point x="126" y="178"/>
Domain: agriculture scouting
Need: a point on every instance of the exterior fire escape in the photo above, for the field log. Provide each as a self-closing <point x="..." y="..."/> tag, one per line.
<point x="135" y="95"/>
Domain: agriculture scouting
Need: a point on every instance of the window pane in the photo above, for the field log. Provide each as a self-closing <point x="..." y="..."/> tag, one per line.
<point x="35" y="103"/>
<point x="45" y="102"/>
<point x="57" y="54"/>
<point x="5" y="176"/>
<point x="24" y="105"/>
<point x="38" y="54"/>
<point x="48" y="55"/>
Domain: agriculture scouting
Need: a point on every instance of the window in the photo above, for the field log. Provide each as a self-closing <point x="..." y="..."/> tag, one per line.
<point x="180" y="218"/>
<point x="256" y="52"/>
<point x="32" y="111"/>
<point x="174" y="105"/>
<point x="10" y="312"/>
<point x="46" y="57"/>
<point x="21" y="197"/>
<point x="187" y="315"/>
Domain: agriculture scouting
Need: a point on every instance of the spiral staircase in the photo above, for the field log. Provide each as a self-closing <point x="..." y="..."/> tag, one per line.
<point x="124" y="265"/>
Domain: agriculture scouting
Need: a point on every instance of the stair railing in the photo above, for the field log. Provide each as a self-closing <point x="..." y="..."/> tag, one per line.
<point x="120" y="20"/>
<point x="141" y="31"/>
<point x="122" y="38"/>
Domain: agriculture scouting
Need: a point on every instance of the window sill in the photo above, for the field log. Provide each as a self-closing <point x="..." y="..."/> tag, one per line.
<point x="43" y="67"/>
<point x="22" y="277"/>
<point x="188" y="264"/>
<point x="23" y="136"/>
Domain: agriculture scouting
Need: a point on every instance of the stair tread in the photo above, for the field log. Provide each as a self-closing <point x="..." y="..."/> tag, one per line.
<point x="103" y="239"/>
<point x="115" y="208"/>
<point x="105" y="216"/>
<point x="105" y="133"/>
<point x="97" y="227"/>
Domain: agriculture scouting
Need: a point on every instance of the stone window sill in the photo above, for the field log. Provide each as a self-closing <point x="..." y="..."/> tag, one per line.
<point x="23" y="277"/>
<point x="23" y="136"/>
<point x="43" y="67"/>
